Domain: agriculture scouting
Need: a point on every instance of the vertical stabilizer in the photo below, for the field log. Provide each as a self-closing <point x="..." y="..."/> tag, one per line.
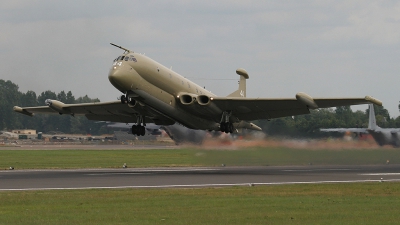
<point x="372" y="120"/>
<point x="241" y="92"/>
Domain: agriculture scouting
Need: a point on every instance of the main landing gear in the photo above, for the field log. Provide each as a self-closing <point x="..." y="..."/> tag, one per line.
<point x="225" y="125"/>
<point x="139" y="129"/>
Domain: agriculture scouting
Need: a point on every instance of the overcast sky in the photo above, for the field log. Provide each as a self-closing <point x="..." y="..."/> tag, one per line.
<point x="324" y="48"/>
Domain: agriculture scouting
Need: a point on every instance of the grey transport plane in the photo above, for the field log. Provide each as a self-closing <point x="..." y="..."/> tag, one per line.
<point x="382" y="136"/>
<point x="153" y="93"/>
<point x="178" y="133"/>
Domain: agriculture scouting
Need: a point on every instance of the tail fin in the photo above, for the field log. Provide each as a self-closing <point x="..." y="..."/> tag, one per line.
<point x="372" y="120"/>
<point x="241" y="92"/>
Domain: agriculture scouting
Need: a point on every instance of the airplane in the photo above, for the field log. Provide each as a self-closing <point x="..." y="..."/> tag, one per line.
<point x="382" y="136"/>
<point x="153" y="93"/>
<point x="178" y="133"/>
<point x="151" y="129"/>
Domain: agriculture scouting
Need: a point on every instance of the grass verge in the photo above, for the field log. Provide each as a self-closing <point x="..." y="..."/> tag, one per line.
<point x="359" y="203"/>
<point x="252" y="156"/>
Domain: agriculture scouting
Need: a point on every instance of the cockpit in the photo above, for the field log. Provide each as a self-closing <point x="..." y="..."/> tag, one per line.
<point x="126" y="58"/>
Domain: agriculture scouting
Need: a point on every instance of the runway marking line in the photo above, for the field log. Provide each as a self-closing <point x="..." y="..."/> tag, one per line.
<point x="202" y="185"/>
<point x="310" y="170"/>
<point x="379" y="174"/>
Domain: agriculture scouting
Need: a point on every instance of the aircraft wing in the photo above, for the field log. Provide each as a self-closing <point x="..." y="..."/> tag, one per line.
<point x="344" y="130"/>
<point x="264" y="108"/>
<point x="101" y="111"/>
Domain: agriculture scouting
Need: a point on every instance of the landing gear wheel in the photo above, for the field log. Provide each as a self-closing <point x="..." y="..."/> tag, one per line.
<point x="138" y="130"/>
<point x="222" y="127"/>
<point x="142" y="131"/>
<point x="134" y="129"/>
<point x="226" y="130"/>
<point x="123" y="99"/>
<point x="226" y="127"/>
<point x="231" y="128"/>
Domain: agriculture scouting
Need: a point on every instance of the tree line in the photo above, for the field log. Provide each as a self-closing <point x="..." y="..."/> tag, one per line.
<point x="9" y="120"/>
<point x="297" y="126"/>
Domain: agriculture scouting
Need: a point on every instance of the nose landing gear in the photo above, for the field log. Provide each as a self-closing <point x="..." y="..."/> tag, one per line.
<point x="124" y="100"/>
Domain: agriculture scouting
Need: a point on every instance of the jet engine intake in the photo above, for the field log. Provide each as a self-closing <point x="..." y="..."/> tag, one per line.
<point x="203" y="100"/>
<point x="187" y="99"/>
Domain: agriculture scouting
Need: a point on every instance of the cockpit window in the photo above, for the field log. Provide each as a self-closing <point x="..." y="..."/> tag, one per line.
<point x="127" y="58"/>
<point x="122" y="58"/>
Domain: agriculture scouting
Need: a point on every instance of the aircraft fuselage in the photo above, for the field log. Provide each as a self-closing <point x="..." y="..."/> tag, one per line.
<point x="385" y="137"/>
<point x="150" y="83"/>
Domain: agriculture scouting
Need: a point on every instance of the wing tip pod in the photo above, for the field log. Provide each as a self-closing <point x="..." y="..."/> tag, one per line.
<point x="22" y="111"/>
<point x="373" y="100"/>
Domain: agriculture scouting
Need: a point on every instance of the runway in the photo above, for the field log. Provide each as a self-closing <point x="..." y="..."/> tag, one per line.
<point x="86" y="147"/>
<point x="192" y="177"/>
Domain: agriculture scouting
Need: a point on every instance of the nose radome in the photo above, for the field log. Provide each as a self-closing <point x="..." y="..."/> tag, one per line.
<point x="115" y="77"/>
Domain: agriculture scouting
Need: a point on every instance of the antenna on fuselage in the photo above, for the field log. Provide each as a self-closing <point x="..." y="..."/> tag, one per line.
<point x="125" y="49"/>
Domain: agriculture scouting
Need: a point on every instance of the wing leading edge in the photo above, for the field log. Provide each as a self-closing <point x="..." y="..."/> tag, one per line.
<point x="113" y="111"/>
<point x="263" y="108"/>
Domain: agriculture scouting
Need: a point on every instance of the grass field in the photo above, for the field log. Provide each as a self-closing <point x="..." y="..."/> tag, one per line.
<point x="41" y="159"/>
<point x="368" y="203"/>
<point x="357" y="203"/>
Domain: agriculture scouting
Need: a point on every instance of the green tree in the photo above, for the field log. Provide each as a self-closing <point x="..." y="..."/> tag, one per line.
<point x="70" y="98"/>
<point x="9" y="97"/>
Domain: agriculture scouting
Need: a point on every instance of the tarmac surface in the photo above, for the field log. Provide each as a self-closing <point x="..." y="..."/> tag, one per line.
<point x="192" y="177"/>
<point x="85" y="147"/>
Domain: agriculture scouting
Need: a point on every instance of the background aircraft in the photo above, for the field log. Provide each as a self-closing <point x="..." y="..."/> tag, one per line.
<point x="153" y="93"/>
<point x="382" y="136"/>
<point x="151" y="129"/>
<point x="178" y="133"/>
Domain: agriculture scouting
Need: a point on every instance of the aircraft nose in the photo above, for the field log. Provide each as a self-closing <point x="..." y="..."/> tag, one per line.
<point x="116" y="78"/>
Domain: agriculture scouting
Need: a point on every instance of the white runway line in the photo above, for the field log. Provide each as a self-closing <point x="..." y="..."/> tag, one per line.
<point x="311" y="170"/>
<point x="202" y="185"/>
<point x="380" y="174"/>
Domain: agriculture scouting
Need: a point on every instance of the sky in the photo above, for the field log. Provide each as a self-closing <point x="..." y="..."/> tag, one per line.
<point x="323" y="48"/>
